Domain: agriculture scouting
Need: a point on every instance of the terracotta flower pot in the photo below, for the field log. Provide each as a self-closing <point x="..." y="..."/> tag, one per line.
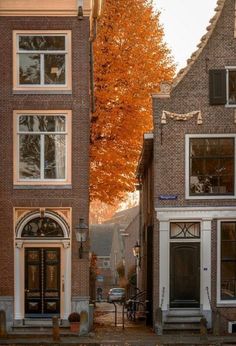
<point x="74" y="327"/>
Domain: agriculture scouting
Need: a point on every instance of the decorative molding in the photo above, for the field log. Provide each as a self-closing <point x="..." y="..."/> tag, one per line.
<point x="165" y="89"/>
<point x="63" y="213"/>
<point x="195" y="213"/>
<point x="181" y="117"/>
<point x="60" y="8"/>
<point x="66" y="244"/>
<point x="19" y="244"/>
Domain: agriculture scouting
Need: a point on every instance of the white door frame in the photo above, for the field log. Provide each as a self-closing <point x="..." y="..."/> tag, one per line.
<point x="19" y="267"/>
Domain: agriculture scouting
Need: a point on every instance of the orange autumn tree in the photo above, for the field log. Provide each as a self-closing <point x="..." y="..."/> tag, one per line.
<point x="130" y="61"/>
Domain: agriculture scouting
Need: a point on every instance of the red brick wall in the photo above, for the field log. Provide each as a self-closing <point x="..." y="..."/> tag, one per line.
<point x="191" y="94"/>
<point x="76" y="196"/>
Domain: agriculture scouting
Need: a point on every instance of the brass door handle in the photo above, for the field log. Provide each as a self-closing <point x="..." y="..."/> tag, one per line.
<point x="27" y="291"/>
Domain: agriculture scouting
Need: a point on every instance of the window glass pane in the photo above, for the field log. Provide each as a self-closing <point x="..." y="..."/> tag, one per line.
<point x="232" y="87"/>
<point x="197" y="167"/>
<point x="227" y="146"/>
<point x="228" y="280"/>
<point x="228" y="231"/>
<point x="29" y="65"/>
<point x="29" y="156"/>
<point x="197" y="147"/>
<point x="212" y="166"/>
<point x="40" y="123"/>
<point x="54" y="68"/>
<point x="211" y="147"/>
<point x="226" y="184"/>
<point x="54" y="152"/>
<point x="228" y="250"/>
<point x="185" y="230"/>
<point x="41" y="42"/>
<point x="201" y="184"/>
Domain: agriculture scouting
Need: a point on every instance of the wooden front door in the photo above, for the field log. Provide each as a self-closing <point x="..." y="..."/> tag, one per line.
<point x="42" y="282"/>
<point x="184" y="275"/>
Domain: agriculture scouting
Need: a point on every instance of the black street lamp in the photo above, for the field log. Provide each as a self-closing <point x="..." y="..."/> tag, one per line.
<point x="81" y="235"/>
<point x="136" y="250"/>
<point x="136" y="253"/>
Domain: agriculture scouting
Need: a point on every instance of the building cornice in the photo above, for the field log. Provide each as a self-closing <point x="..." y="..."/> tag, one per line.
<point x="59" y="8"/>
<point x="201" y="213"/>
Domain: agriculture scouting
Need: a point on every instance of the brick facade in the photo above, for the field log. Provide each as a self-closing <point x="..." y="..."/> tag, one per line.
<point x="190" y="93"/>
<point x="74" y="196"/>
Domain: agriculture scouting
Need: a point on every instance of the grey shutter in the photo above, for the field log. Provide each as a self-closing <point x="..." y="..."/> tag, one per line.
<point x="217" y="87"/>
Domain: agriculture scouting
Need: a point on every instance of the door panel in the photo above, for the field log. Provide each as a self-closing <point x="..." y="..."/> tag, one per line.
<point x="185" y="275"/>
<point x="42" y="282"/>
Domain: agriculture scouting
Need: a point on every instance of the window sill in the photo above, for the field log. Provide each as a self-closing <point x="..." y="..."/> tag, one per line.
<point x="228" y="304"/>
<point x="212" y="197"/>
<point x="43" y="187"/>
<point x="230" y="106"/>
<point x="43" y="91"/>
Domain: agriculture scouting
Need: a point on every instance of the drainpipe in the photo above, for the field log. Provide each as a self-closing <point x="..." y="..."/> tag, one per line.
<point x="95" y="15"/>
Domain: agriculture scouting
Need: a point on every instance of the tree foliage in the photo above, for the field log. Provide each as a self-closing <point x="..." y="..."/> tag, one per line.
<point x="131" y="59"/>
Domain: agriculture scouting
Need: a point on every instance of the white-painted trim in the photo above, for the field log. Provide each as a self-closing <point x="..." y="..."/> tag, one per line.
<point x="188" y="213"/>
<point x="222" y="302"/>
<point x="68" y="142"/>
<point x="68" y="61"/>
<point x="19" y="278"/>
<point x="205" y="216"/>
<point x="229" y="68"/>
<point x="205" y="197"/>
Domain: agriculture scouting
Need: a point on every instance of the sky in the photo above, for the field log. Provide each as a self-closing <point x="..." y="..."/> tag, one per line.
<point x="184" y="22"/>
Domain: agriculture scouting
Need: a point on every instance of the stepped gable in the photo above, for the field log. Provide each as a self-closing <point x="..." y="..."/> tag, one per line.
<point x="203" y="42"/>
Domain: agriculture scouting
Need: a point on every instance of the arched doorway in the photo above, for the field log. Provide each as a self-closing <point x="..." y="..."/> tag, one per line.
<point x="42" y="266"/>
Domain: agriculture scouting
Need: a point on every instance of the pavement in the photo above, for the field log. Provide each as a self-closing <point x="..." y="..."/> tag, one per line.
<point x="106" y="333"/>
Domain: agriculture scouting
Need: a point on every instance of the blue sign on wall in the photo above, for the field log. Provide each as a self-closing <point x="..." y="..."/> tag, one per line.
<point x="168" y="197"/>
<point x="100" y="278"/>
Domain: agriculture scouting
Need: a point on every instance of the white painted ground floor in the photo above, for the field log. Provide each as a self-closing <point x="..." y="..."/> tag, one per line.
<point x="197" y="259"/>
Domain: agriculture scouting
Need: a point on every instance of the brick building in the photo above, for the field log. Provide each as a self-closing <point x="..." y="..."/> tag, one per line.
<point x="191" y="201"/>
<point x="44" y="156"/>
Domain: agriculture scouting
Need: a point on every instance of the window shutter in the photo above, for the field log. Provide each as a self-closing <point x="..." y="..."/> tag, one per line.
<point x="217" y="87"/>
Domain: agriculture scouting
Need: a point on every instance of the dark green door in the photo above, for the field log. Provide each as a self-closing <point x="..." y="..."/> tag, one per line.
<point x="184" y="275"/>
<point x="42" y="282"/>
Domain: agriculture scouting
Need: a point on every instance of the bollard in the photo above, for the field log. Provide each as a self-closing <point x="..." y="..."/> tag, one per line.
<point x="55" y="329"/>
<point x="203" y="326"/>
<point x="84" y="323"/>
<point x="159" y="322"/>
<point x="3" y="324"/>
<point x="216" y="325"/>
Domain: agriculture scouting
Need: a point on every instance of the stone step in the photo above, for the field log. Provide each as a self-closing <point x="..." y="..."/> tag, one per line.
<point x="181" y="326"/>
<point x="184" y="312"/>
<point x="183" y="319"/>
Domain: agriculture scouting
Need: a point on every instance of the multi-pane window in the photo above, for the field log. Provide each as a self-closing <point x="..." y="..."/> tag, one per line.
<point x="211" y="166"/>
<point x="228" y="260"/>
<point x="231" y="87"/>
<point x="42" y="147"/>
<point x="42" y="60"/>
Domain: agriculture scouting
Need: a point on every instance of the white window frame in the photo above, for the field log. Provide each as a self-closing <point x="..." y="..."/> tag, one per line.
<point x="187" y="168"/>
<point x="68" y="135"/>
<point x="221" y="302"/>
<point x="40" y="87"/>
<point x="229" y="68"/>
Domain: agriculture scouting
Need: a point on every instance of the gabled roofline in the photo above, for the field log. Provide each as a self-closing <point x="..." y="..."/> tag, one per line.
<point x="203" y="42"/>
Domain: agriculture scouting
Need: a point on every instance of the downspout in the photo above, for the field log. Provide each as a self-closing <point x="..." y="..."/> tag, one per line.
<point x="92" y="39"/>
<point x="95" y="15"/>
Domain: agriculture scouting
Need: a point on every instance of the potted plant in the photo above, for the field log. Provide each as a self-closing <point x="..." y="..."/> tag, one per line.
<point x="74" y="319"/>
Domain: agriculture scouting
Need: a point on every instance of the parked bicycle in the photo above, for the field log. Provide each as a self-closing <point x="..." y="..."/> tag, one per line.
<point x="136" y="307"/>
